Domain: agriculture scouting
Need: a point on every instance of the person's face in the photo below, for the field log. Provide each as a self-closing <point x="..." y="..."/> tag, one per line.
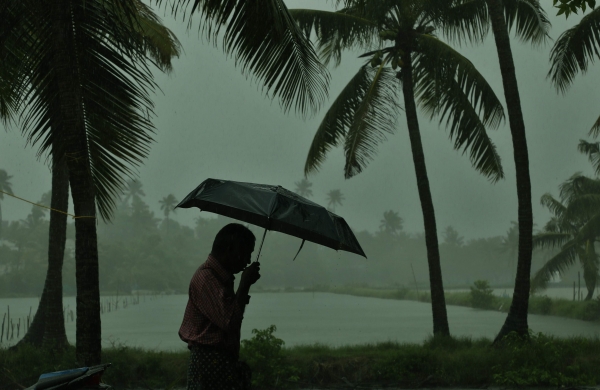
<point x="241" y="257"/>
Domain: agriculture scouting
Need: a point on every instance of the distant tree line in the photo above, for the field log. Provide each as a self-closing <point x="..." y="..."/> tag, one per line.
<point x="140" y="251"/>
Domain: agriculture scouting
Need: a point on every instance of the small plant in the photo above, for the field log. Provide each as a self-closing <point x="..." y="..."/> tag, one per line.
<point x="481" y="295"/>
<point x="541" y="305"/>
<point x="263" y="353"/>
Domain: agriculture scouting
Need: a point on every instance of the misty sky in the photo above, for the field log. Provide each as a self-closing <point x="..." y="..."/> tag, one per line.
<point x="214" y="122"/>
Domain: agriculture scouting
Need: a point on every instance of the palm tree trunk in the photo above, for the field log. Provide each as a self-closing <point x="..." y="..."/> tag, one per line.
<point x="438" y="300"/>
<point x="0" y="221"/>
<point x="589" y="276"/>
<point x="48" y="326"/>
<point x="54" y="333"/>
<point x="88" y="327"/>
<point x="516" y="321"/>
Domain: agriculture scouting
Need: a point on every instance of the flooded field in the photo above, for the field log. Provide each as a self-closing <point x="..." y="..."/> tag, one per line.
<point x="302" y="318"/>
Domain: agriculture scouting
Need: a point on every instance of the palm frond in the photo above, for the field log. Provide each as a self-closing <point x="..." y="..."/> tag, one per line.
<point x="115" y="83"/>
<point x="267" y="44"/>
<point x="338" y="119"/>
<point x="582" y="207"/>
<point x="578" y="185"/>
<point x="15" y="41"/>
<point x="591" y="229"/>
<point x="374" y="117"/>
<point x="449" y="86"/>
<point x="337" y="31"/>
<point x="595" y="130"/>
<point x="548" y="240"/>
<point x="574" y="50"/>
<point x="553" y="226"/>
<point x="159" y="42"/>
<point x="559" y="263"/>
<point x="529" y="20"/>
<point x="465" y="20"/>
<point x="592" y="150"/>
<point x="555" y="206"/>
<point x="441" y="62"/>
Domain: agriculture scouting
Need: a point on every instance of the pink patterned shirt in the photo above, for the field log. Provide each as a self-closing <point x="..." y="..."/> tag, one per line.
<point x="213" y="316"/>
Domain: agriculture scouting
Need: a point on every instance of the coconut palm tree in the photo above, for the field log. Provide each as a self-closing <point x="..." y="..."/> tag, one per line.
<point x="86" y="84"/>
<point x="452" y="237"/>
<point x="266" y="43"/>
<point x="334" y="197"/>
<point x="133" y="190"/>
<point x="5" y="186"/>
<point x="405" y="57"/>
<point x="167" y="205"/>
<point x="573" y="230"/>
<point x="530" y="24"/>
<point x="391" y="223"/>
<point x="303" y="188"/>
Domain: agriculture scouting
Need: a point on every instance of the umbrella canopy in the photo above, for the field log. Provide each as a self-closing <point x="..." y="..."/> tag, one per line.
<point x="274" y="208"/>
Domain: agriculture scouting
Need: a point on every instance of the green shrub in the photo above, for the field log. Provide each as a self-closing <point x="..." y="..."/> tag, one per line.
<point x="263" y="353"/>
<point x="539" y="360"/>
<point x="591" y="310"/>
<point x="481" y="295"/>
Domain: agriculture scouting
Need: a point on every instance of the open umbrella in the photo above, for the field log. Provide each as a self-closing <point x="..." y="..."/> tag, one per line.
<point x="274" y="208"/>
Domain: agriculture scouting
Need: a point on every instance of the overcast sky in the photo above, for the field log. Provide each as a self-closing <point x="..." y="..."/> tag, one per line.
<point x="213" y="122"/>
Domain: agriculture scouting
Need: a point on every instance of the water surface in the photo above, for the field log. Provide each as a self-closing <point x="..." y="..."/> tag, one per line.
<point x="304" y="318"/>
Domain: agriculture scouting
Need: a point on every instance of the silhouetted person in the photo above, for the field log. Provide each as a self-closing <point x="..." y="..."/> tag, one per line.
<point x="213" y="317"/>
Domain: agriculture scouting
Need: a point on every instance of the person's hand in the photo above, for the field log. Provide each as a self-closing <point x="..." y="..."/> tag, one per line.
<point x="251" y="274"/>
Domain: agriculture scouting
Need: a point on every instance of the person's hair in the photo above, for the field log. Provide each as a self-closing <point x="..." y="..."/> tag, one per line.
<point x="230" y="236"/>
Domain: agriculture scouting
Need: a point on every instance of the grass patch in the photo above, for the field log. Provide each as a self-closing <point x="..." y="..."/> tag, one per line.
<point x="441" y="361"/>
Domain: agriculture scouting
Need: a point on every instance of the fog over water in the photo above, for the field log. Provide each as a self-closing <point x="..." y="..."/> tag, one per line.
<point x="213" y="122"/>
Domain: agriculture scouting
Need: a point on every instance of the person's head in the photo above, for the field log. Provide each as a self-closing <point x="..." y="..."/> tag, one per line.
<point x="233" y="246"/>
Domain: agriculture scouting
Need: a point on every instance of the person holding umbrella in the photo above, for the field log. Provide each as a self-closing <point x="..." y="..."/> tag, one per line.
<point x="213" y="316"/>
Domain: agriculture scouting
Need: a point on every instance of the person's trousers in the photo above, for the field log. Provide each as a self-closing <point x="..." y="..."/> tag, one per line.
<point x="211" y="368"/>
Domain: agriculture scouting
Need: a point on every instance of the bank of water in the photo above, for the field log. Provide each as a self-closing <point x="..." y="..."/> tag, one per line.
<point x="303" y="318"/>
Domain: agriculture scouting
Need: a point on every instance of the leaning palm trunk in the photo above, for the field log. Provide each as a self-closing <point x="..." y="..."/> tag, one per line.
<point x="88" y="328"/>
<point x="438" y="301"/>
<point x="48" y="326"/>
<point x="517" y="316"/>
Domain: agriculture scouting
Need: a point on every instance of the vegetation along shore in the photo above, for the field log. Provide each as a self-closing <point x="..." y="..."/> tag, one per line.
<point x="439" y="361"/>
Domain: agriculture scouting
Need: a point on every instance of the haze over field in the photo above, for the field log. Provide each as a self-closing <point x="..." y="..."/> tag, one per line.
<point x="212" y="122"/>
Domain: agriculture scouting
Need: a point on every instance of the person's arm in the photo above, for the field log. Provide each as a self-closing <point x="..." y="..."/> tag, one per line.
<point x="209" y="298"/>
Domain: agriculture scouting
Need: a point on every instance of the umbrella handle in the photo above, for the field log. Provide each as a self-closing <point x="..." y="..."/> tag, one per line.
<point x="261" y="244"/>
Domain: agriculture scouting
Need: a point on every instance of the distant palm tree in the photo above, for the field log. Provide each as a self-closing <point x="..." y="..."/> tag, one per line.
<point x="303" y="188"/>
<point x="334" y="197"/>
<point x="574" y="229"/>
<point x="133" y="190"/>
<point x="391" y="222"/>
<point x="452" y="237"/>
<point x="5" y="186"/>
<point x="167" y="204"/>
